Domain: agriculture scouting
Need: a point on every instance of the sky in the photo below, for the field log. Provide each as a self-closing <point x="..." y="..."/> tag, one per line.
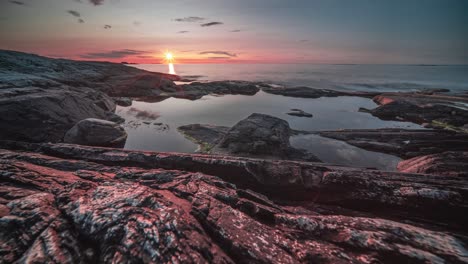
<point x="240" y="31"/>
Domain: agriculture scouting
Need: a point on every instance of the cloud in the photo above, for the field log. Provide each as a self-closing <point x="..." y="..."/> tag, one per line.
<point x="17" y="2"/>
<point x="113" y="54"/>
<point x="219" y="58"/>
<point x="145" y="57"/>
<point x="211" y="24"/>
<point x="136" y="23"/>
<point x="236" y="30"/>
<point x="94" y="2"/>
<point x="190" y="19"/>
<point x="74" y="13"/>
<point x="97" y="2"/>
<point x="107" y="26"/>
<point x="218" y="52"/>
<point x="183" y="31"/>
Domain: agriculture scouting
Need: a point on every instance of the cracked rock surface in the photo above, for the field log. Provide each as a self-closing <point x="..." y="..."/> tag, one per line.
<point x="75" y="204"/>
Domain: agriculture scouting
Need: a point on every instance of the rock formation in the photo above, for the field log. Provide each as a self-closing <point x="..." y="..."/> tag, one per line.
<point x="308" y="92"/>
<point x="258" y="136"/>
<point x="96" y="132"/>
<point x="42" y="98"/>
<point x="405" y="143"/>
<point x="450" y="163"/>
<point x="299" y="113"/>
<point x="444" y="111"/>
<point x="75" y="204"/>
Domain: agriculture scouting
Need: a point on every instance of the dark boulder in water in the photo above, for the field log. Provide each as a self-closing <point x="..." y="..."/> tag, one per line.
<point x="299" y="113"/>
<point x="96" y="132"/>
<point x="259" y="136"/>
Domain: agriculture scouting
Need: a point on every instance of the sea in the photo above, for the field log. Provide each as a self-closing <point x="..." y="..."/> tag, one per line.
<point x="156" y="128"/>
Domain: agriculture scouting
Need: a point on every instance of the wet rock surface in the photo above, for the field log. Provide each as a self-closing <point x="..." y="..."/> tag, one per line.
<point x="105" y="205"/>
<point x="96" y="132"/>
<point x="439" y="110"/>
<point x="405" y="143"/>
<point x="451" y="163"/>
<point x="258" y="136"/>
<point x="206" y="136"/>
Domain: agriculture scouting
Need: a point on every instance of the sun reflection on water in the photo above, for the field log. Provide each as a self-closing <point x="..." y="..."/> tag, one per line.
<point x="171" y="68"/>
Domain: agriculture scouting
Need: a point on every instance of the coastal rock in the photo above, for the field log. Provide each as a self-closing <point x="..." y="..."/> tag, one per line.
<point x="42" y="98"/>
<point x="197" y="90"/>
<point x="431" y="91"/>
<point x="68" y="210"/>
<point x="123" y="101"/>
<point x="259" y="136"/>
<point x="405" y="143"/>
<point x="386" y="194"/>
<point x="114" y="79"/>
<point x="451" y="163"/>
<point x="444" y="111"/>
<point x="308" y="92"/>
<point x="299" y="112"/>
<point x="96" y="132"/>
<point x="41" y="115"/>
<point x="206" y="136"/>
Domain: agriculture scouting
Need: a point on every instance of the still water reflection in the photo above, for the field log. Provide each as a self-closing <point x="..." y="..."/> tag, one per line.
<point x="153" y="126"/>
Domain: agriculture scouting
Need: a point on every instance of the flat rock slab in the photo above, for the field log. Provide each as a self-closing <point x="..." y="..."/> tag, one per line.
<point x="206" y="136"/>
<point x="74" y="210"/>
<point x="299" y="113"/>
<point x="411" y="196"/>
<point x="197" y="90"/>
<point x="405" y="143"/>
<point x="308" y="92"/>
<point x="450" y="163"/>
<point x="444" y="111"/>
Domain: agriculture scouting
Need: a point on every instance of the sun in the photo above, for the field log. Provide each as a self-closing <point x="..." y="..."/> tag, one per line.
<point x="168" y="57"/>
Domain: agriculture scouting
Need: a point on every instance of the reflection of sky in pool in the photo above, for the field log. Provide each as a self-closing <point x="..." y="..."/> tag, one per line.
<point x="329" y="114"/>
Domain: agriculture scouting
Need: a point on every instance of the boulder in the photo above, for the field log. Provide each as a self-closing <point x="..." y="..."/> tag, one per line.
<point x="96" y="132"/>
<point x="259" y="136"/>
<point x="45" y="115"/>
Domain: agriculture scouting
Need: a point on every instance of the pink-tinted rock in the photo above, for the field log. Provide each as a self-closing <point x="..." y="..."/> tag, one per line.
<point x="451" y="163"/>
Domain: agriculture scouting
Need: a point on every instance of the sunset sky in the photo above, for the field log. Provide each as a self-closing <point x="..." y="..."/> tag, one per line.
<point x="240" y="31"/>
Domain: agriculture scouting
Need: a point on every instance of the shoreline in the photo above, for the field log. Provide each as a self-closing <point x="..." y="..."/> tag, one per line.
<point x="251" y="192"/>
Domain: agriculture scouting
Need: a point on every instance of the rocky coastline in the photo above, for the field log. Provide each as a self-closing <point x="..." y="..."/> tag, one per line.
<point x="70" y="194"/>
